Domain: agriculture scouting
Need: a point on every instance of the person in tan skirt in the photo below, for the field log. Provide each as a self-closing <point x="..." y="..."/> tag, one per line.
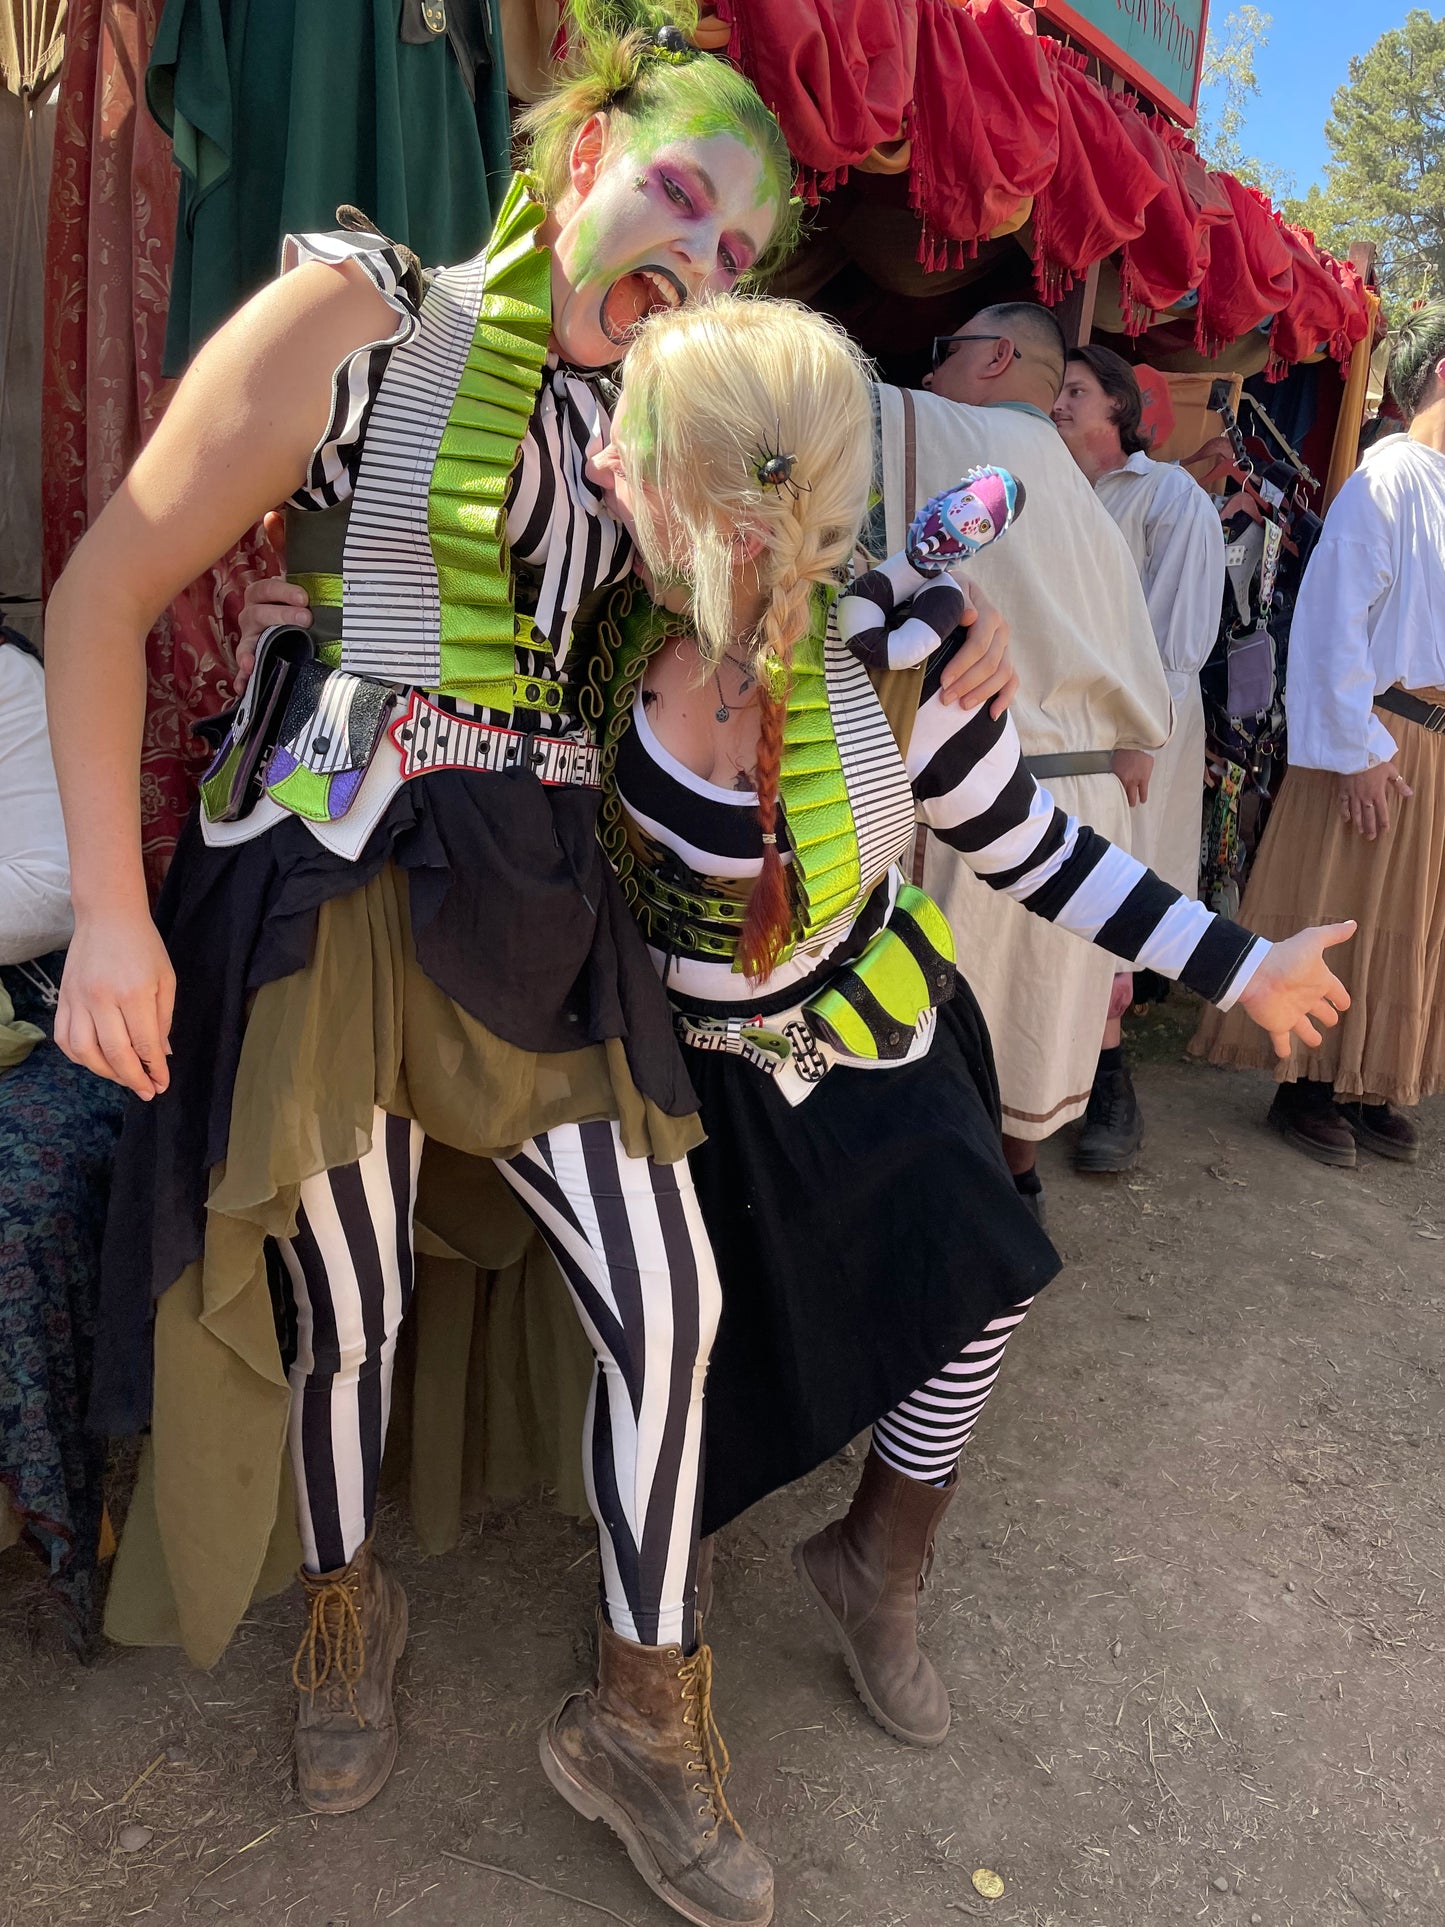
<point x="1359" y="829"/>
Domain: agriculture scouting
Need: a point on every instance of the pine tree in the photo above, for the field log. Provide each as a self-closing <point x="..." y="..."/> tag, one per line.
<point x="1385" y="180"/>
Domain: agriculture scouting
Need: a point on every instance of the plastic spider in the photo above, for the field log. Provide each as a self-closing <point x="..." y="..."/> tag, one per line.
<point x="775" y="470"/>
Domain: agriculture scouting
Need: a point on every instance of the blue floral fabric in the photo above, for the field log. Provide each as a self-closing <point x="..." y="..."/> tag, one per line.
<point x="58" y="1130"/>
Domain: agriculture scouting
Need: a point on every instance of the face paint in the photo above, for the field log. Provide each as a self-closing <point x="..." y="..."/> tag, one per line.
<point x="656" y="225"/>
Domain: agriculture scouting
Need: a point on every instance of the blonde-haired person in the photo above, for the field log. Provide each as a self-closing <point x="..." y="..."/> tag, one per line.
<point x="390" y="922"/>
<point x="874" y="1253"/>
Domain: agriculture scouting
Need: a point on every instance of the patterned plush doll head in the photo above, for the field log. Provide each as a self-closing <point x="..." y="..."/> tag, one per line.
<point x="963" y="519"/>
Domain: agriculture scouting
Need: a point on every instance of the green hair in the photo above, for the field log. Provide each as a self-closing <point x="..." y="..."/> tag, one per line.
<point x="1419" y="349"/>
<point x="615" y="66"/>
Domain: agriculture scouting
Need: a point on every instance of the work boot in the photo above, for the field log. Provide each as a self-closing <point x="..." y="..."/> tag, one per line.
<point x="642" y="1751"/>
<point x="345" y="1738"/>
<point x="1305" y="1116"/>
<point x="864" y="1573"/>
<point x="1113" y="1128"/>
<point x="1382" y="1129"/>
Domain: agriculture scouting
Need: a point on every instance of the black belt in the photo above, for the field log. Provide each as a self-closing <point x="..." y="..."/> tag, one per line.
<point x="1072" y="762"/>
<point x="1415" y="709"/>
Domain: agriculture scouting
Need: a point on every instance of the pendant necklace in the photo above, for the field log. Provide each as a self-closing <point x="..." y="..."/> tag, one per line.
<point x="725" y="710"/>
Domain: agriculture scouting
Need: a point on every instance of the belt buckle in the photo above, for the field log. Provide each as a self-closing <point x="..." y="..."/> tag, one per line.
<point x="1436" y="718"/>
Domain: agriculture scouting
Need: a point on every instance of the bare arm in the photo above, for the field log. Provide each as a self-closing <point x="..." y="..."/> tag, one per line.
<point x="235" y="441"/>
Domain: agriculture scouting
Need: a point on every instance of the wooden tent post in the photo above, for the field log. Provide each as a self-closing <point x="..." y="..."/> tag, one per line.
<point x="1076" y="310"/>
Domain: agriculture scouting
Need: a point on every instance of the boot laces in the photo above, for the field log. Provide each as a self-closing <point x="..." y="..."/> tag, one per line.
<point x="696" y="1677"/>
<point x="333" y="1646"/>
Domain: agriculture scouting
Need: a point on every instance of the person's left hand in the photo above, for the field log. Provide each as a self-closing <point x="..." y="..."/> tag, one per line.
<point x="1366" y="797"/>
<point x="1133" y="767"/>
<point x="982" y="667"/>
<point x="1294" y="990"/>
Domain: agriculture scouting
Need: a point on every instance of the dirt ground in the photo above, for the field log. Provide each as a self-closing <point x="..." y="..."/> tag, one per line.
<point x="1188" y="1605"/>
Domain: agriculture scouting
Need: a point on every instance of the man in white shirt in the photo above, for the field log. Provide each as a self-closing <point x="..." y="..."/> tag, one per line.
<point x="1092" y="706"/>
<point x="1174" y="536"/>
<point x="1359" y="828"/>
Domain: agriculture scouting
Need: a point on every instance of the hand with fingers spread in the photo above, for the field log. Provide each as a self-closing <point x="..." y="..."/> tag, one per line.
<point x="1367" y="796"/>
<point x="116" y="999"/>
<point x="982" y="668"/>
<point x="1294" y="993"/>
<point x="269" y="600"/>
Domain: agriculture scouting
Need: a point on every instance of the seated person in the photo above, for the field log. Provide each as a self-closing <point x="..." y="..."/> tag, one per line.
<point x="57" y="1139"/>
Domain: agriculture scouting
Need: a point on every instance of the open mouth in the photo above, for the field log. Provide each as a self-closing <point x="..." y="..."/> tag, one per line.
<point x="634" y="298"/>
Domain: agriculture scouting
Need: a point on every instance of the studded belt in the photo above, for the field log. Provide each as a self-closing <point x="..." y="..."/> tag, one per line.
<point x="430" y="738"/>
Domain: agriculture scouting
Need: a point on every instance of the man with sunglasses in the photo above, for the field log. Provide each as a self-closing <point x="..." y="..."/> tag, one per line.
<point x="1092" y="706"/>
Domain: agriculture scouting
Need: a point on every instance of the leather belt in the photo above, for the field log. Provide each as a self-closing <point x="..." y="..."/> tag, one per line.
<point x="1400" y="702"/>
<point x="430" y="739"/>
<point x="1072" y="762"/>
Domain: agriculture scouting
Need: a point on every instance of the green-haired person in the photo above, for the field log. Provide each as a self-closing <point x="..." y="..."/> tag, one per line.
<point x="391" y="921"/>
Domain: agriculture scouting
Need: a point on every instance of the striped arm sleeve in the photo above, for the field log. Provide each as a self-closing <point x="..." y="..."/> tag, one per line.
<point x="975" y="792"/>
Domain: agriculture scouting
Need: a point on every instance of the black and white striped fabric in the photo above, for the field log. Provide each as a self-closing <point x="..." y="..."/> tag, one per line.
<point x="966" y="772"/>
<point x="923" y="1436"/>
<point x="895" y="617"/>
<point x="349" y="1275"/>
<point x="628" y="1237"/>
<point x="391" y="402"/>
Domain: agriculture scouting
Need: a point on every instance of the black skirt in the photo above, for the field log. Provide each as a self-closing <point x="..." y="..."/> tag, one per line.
<point x="862" y="1238"/>
<point x="516" y="916"/>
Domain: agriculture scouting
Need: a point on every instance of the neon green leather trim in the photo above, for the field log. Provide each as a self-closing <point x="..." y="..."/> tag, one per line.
<point x="467" y="496"/>
<point x="846" y="1025"/>
<point x="322" y="591"/>
<point x="936" y="929"/>
<point x="814" y="792"/>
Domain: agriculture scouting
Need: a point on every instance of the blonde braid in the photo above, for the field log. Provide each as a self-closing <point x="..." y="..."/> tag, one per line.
<point x="799" y="553"/>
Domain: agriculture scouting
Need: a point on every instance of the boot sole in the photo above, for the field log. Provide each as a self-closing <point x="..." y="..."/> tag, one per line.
<point x="593" y="1805"/>
<point x="1338" y="1160"/>
<point x="855" y="1671"/>
<point x="354" y="1802"/>
<point x="1109" y="1162"/>
<point x="1384" y="1147"/>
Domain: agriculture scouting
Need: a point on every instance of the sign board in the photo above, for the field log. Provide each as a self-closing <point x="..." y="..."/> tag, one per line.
<point x="1155" y="45"/>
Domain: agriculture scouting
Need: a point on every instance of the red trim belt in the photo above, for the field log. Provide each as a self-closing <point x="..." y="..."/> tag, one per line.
<point x="430" y="738"/>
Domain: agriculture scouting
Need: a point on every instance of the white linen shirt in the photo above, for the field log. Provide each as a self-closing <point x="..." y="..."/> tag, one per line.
<point x="1371" y="609"/>
<point x="34" y="867"/>
<point x="1174" y="535"/>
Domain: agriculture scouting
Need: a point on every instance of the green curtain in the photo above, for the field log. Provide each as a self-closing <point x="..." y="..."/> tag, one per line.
<point x="281" y="110"/>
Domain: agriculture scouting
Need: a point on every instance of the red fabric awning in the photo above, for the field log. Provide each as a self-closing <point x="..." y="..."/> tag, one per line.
<point x="1171" y="256"/>
<point x="1318" y="313"/>
<point x="839" y="74"/>
<point x="1251" y="270"/>
<point x="1100" y="189"/>
<point x="985" y="124"/>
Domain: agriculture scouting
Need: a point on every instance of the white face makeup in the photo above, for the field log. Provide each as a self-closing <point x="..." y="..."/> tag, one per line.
<point x="647" y="228"/>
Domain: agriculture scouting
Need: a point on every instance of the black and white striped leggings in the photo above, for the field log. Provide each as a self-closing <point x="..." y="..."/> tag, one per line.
<point x="629" y="1239"/>
<point x="924" y="1435"/>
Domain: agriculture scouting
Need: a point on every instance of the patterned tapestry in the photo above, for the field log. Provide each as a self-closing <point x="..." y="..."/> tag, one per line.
<point x="111" y="230"/>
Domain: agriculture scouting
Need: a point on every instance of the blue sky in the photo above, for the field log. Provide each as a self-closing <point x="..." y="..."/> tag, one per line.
<point x="1308" y="57"/>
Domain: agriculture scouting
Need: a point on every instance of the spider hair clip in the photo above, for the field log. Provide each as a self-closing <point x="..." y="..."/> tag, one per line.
<point x="670" y="43"/>
<point x="775" y="470"/>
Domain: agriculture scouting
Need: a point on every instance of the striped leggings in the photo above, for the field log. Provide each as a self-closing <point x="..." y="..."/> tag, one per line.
<point x="629" y="1240"/>
<point x="923" y="1437"/>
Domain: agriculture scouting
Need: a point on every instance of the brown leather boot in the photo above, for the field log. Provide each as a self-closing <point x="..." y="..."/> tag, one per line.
<point x="641" y="1751"/>
<point x="864" y="1573"/>
<point x="345" y="1738"/>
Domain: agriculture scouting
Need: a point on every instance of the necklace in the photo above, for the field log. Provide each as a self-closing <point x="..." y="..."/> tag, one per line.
<point x="726" y="710"/>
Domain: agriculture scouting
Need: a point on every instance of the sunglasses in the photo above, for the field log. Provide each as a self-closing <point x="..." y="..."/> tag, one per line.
<point x="943" y="346"/>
